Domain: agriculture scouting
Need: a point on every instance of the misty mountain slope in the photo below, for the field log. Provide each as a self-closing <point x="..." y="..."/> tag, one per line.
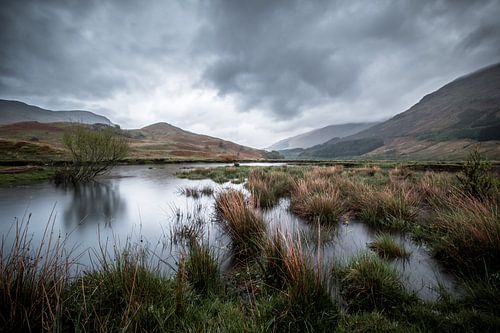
<point x="459" y="116"/>
<point x="14" y="112"/>
<point x="319" y="136"/>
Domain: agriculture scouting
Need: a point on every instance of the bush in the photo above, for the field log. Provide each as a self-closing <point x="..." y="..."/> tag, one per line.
<point x="476" y="179"/>
<point x="92" y="152"/>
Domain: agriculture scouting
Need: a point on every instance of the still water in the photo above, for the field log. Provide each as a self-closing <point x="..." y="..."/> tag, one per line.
<point x="143" y="205"/>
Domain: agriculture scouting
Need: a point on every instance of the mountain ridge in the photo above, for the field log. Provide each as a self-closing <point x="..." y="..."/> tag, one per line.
<point x="12" y="111"/>
<point x="320" y="135"/>
<point x="461" y="115"/>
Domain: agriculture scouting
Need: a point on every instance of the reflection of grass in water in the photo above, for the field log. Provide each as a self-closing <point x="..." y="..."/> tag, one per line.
<point x="196" y="192"/>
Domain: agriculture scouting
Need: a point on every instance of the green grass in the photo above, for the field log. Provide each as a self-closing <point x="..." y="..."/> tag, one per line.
<point x="369" y="283"/>
<point x="386" y="247"/>
<point x="219" y="175"/>
<point x="28" y="177"/>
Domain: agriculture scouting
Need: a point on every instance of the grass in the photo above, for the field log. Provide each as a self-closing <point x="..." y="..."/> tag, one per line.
<point x="220" y="175"/>
<point x="468" y="232"/>
<point x="32" y="280"/>
<point x="369" y="283"/>
<point x="202" y="269"/>
<point x="305" y="304"/>
<point x="276" y="285"/>
<point x="28" y="177"/>
<point x="245" y="227"/>
<point x="268" y="186"/>
<point x="388" y="206"/>
<point x="196" y="192"/>
<point x="386" y="247"/>
<point x="316" y="200"/>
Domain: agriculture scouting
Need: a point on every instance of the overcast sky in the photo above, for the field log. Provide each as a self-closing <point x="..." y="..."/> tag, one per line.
<point x="249" y="71"/>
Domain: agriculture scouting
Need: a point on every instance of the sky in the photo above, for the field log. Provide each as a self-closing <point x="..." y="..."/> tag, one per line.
<point x="250" y="71"/>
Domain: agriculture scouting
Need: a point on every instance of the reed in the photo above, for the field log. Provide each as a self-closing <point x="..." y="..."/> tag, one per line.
<point x="245" y="227"/>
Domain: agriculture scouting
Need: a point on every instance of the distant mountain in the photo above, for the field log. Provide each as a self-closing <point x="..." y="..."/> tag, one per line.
<point x="14" y="112"/>
<point x="447" y="123"/>
<point x="43" y="142"/>
<point x="162" y="140"/>
<point x="319" y="136"/>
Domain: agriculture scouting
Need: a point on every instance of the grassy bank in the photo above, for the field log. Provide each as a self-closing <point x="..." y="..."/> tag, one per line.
<point x="24" y="175"/>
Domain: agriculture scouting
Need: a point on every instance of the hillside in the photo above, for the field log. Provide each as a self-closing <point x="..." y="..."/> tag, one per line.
<point x="43" y="142"/>
<point x="319" y="136"/>
<point x="445" y="124"/>
<point x="14" y="112"/>
<point x="162" y="139"/>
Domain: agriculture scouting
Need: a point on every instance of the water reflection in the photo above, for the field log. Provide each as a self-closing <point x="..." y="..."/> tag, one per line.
<point x="93" y="203"/>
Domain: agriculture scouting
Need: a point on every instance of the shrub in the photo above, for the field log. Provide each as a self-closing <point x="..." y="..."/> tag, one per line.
<point x="92" y="152"/>
<point x="476" y="179"/>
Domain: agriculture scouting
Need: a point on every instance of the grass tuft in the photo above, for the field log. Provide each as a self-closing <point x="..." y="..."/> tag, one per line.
<point x="386" y="247"/>
<point x="369" y="283"/>
<point x="245" y="227"/>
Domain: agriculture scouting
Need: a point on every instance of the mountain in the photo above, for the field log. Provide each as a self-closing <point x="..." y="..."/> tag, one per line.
<point x="162" y="140"/>
<point x="35" y="141"/>
<point x="446" y="124"/>
<point x="14" y="112"/>
<point x="319" y="136"/>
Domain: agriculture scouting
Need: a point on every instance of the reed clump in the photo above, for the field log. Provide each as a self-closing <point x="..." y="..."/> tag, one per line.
<point x="468" y="232"/>
<point x="388" y="206"/>
<point x="32" y="280"/>
<point x="305" y="303"/>
<point x="245" y="227"/>
<point x="369" y="283"/>
<point x="268" y="187"/>
<point x="386" y="247"/>
<point x="317" y="200"/>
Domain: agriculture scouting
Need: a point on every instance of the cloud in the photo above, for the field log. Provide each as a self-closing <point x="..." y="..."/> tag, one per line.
<point x="250" y="71"/>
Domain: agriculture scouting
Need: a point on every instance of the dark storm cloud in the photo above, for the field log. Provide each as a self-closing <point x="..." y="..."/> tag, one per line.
<point x="83" y="50"/>
<point x="289" y="56"/>
<point x="302" y="62"/>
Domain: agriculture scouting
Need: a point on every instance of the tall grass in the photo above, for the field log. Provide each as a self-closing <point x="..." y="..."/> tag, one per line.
<point x="267" y="187"/>
<point x="33" y="280"/>
<point x="369" y="283"/>
<point x="468" y="231"/>
<point x="202" y="269"/>
<point x="317" y="200"/>
<point x="389" y="206"/>
<point x="245" y="227"/>
<point x="306" y="304"/>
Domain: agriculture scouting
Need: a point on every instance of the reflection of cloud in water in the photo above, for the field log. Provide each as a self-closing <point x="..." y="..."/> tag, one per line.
<point x="92" y="204"/>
